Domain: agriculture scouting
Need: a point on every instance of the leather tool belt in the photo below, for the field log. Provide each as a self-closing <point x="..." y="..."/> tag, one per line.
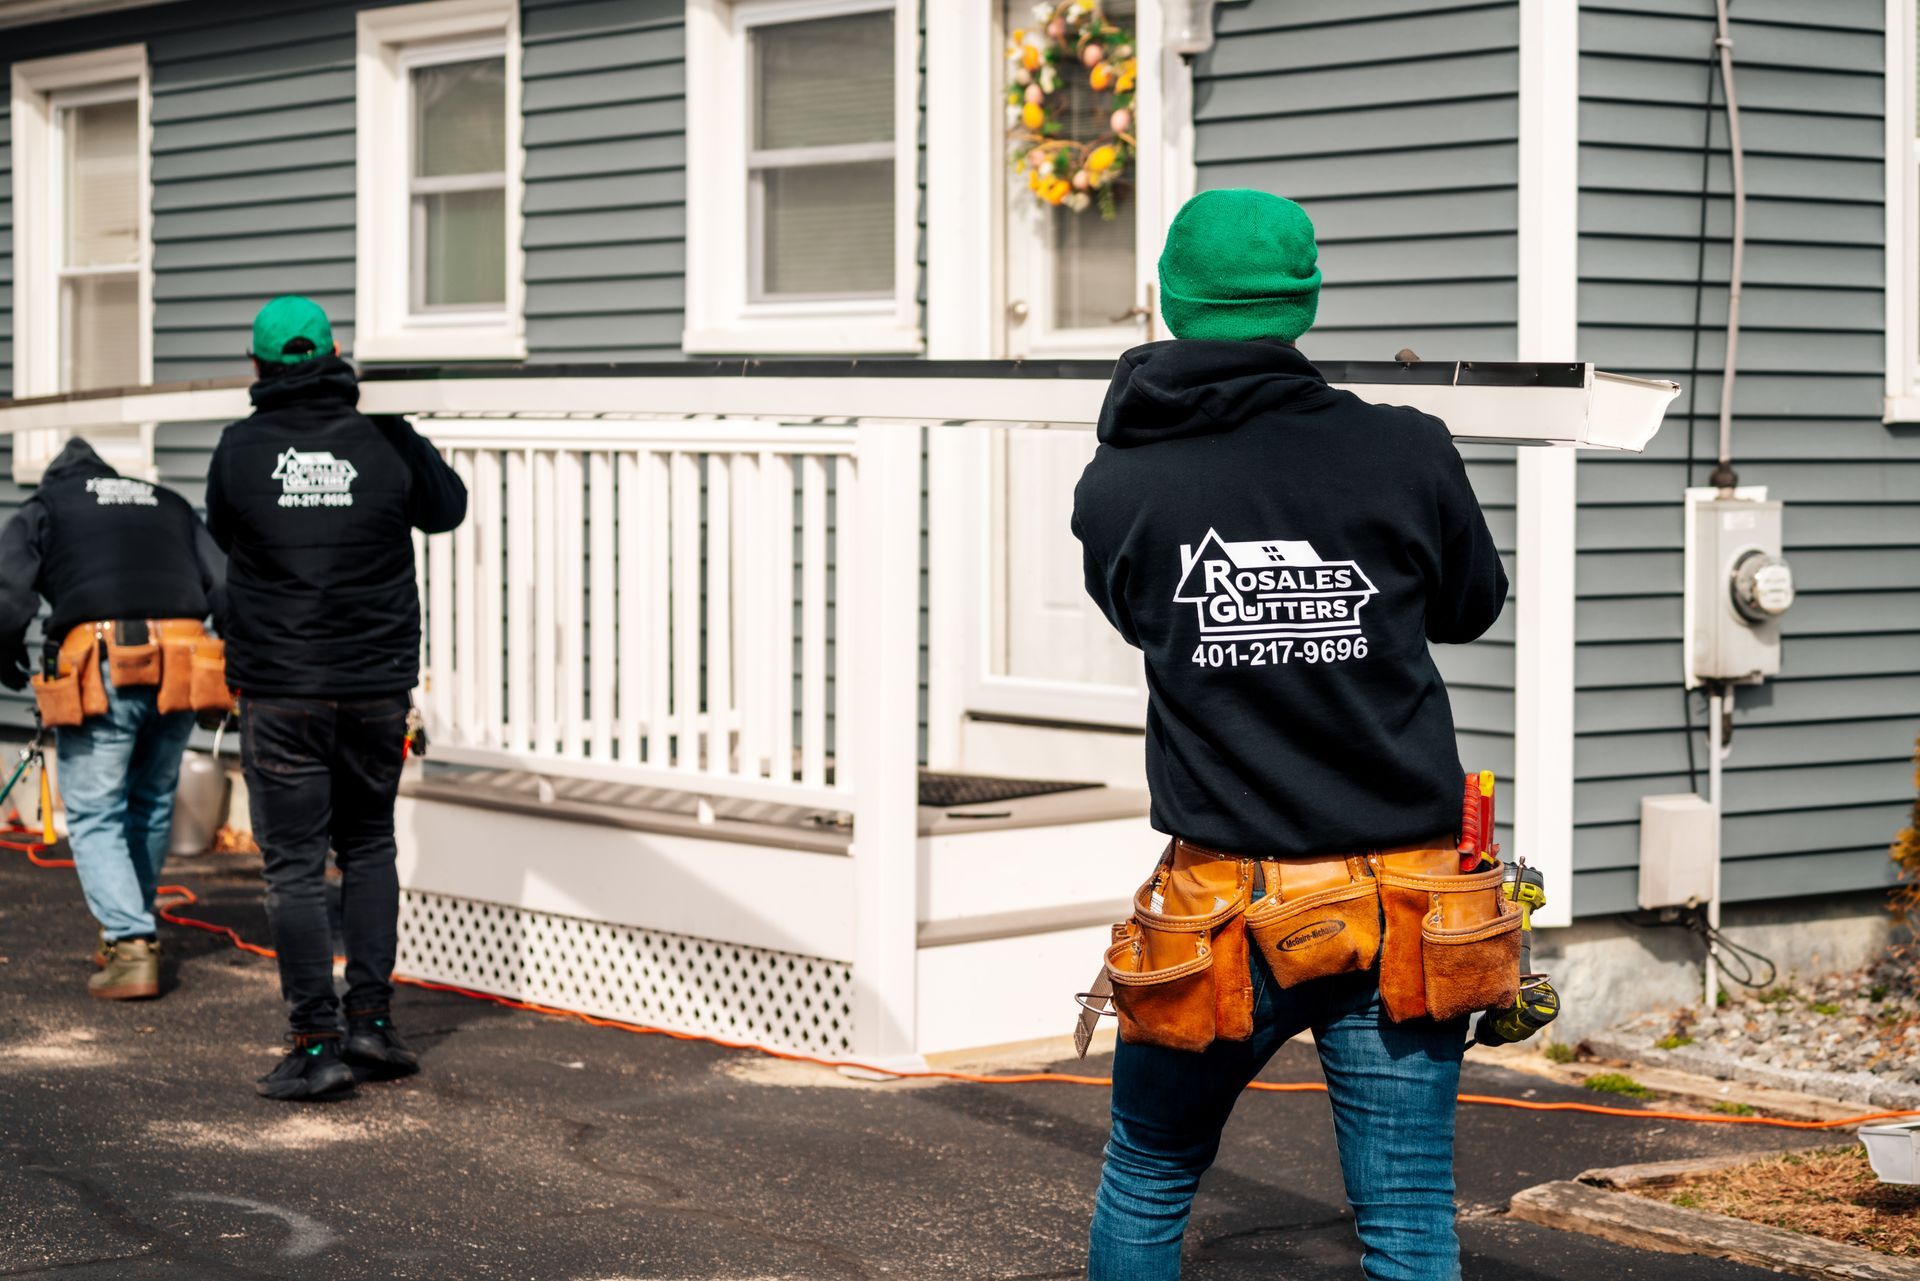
<point x="186" y="667"/>
<point x="1178" y="969"/>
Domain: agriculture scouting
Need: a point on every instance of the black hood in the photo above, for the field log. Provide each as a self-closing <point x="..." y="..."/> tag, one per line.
<point x="76" y="461"/>
<point x="322" y="378"/>
<point x="1195" y="387"/>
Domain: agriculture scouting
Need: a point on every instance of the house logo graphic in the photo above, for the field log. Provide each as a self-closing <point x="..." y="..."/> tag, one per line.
<point x="1270" y="589"/>
<point x="315" y="479"/>
<point x="316" y="473"/>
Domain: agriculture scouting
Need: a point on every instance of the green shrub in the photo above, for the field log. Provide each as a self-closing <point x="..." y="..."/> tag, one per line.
<point x="1730" y="1108"/>
<point x="1558" y="1052"/>
<point x="1674" y="1042"/>
<point x="1774" y="995"/>
<point x="1825" y="1007"/>
<point x="1618" y="1083"/>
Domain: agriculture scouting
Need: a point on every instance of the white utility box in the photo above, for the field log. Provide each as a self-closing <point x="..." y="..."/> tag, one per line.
<point x="1738" y="585"/>
<point x="1679" y="846"/>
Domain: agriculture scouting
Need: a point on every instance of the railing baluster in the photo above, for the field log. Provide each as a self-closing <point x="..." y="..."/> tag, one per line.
<point x="778" y="469"/>
<point x="633" y="589"/>
<point x="847" y="577"/>
<point x="750" y="612"/>
<point x="686" y="610"/>
<point x="489" y="519"/>
<point x="441" y="673"/>
<point x="813" y="621"/>
<point x="546" y="665"/>
<point x="466" y="712"/>
<point x="657" y="605"/>
<point x="600" y="635"/>
<point x="519" y="655"/>
<point x="569" y="482"/>
<point x="719" y="638"/>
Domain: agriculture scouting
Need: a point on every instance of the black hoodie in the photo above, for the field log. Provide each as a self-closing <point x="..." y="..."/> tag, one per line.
<point x="1283" y="552"/>
<point x="99" y="546"/>
<point x="316" y="504"/>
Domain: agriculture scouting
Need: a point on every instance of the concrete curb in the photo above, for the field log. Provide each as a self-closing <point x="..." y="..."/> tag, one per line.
<point x="1851" y="1087"/>
<point x="1654" y="1225"/>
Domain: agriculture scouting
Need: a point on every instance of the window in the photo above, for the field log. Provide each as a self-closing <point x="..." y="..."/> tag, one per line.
<point x="439" y="160"/>
<point x="801" y="232"/>
<point x="83" y="299"/>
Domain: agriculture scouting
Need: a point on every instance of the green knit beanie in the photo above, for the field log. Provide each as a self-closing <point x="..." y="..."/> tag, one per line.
<point x="1239" y="264"/>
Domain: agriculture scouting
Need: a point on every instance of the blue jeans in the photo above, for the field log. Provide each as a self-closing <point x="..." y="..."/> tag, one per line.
<point x="118" y="773"/>
<point x="1392" y="1086"/>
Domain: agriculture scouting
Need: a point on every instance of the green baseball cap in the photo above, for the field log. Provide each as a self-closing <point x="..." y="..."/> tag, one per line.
<point x="291" y="329"/>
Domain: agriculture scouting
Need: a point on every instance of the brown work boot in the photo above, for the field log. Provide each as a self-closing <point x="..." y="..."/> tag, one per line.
<point x="131" y="973"/>
<point x="103" y="949"/>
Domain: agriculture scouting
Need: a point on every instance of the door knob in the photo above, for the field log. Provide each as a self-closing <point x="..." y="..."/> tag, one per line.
<point x="1017" y="311"/>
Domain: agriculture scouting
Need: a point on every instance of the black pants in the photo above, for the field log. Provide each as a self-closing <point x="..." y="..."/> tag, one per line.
<point x="323" y="774"/>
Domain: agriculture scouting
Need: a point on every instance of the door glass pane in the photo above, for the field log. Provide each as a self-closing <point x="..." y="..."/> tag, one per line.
<point x="462" y="248"/>
<point x="102" y="199"/>
<point x="100" y="323"/>
<point x="827" y="82"/>
<point x="1092" y="267"/>
<point x="827" y="230"/>
<point x="460" y="118"/>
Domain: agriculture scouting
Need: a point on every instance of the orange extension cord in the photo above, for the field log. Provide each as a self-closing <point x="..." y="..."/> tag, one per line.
<point x="183" y="896"/>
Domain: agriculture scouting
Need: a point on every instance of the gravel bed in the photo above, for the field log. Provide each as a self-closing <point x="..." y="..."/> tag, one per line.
<point x="1863" y="1022"/>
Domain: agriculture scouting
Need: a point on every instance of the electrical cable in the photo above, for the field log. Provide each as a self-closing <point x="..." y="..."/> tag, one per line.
<point x="1746" y="959"/>
<point x="183" y="896"/>
<point x="1693" y="360"/>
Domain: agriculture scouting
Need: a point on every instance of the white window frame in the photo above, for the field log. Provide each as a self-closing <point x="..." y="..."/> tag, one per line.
<point x="1903" y="218"/>
<point x="391" y="43"/>
<point x="722" y="316"/>
<point x="41" y="89"/>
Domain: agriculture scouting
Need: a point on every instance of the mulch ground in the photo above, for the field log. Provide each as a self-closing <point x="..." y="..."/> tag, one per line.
<point x="1829" y="1192"/>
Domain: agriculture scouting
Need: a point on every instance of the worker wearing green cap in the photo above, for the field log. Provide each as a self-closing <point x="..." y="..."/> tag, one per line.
<point x="316" y="504"/>
<point x="1284" y="553"/>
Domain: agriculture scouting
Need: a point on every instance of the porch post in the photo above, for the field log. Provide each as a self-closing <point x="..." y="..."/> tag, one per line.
<point x="884" y="721"/>
<point x="1549" y="318"/>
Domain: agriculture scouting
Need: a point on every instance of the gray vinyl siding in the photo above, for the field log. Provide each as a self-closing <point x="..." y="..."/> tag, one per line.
<point x="605" y="118"/>
<point x="1396" y="125"/>
<point x="1819" y="780"/>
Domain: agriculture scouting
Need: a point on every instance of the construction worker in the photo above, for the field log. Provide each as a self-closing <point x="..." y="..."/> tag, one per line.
<point x="1283" y="553"/>
<point x="120" y="561"/>
<point x="315" y="504"/>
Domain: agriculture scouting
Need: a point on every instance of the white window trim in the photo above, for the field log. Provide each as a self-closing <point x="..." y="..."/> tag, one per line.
<point x="720" y="317"/>
<point x="1903" y="219"/>
<point x="38" y="89"/>
<point x="390" y="42"/>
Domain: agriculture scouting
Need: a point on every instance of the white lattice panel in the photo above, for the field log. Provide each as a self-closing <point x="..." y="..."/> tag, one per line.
<point x="636" y="975"/>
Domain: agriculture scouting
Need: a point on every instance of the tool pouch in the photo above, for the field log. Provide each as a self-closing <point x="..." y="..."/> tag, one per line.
<point x="78" y="691"/>
<point x="1452" y="943"/>
<point x="1320" y="917"/>
<point x="1181" y="975"/>
<point x="58" y="700"/>
<point x="176" y="676"/>
<point x="132" y="665"/>
<point x="209" y="690"/>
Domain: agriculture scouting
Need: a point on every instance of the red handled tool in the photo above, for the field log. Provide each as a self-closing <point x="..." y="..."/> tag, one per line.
<point x="1477" y="846"/>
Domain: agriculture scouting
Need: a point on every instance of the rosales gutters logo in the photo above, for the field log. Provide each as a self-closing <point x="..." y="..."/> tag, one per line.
<point x="118" y="491"/>
<point x="315" y="479"/>
<point x="1271" y="601"/>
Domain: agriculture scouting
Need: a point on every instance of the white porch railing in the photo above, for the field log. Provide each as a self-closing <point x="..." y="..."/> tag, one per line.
<point x="649" y="603"/>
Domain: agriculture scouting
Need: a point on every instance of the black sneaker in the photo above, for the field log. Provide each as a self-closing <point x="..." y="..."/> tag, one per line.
<point x="312" y="1070"/>
<point x="372" y="1043"/>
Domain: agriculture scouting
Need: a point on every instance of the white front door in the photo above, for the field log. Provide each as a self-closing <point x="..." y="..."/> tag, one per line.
<point x="1078" y="286"/>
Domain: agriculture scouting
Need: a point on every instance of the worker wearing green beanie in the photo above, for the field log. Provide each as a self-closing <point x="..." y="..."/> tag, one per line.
<point x="1285" y="555"/>
<point x="1240" y="264"/>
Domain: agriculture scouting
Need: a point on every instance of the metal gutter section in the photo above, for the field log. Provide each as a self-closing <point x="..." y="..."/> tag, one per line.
<point x="1533" y="403"/>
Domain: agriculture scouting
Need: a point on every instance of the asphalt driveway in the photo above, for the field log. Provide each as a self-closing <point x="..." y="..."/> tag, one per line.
<point x="135" y="1149"/>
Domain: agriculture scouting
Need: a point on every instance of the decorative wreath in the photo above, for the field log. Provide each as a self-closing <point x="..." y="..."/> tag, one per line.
<point x="1074" y="39"/>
